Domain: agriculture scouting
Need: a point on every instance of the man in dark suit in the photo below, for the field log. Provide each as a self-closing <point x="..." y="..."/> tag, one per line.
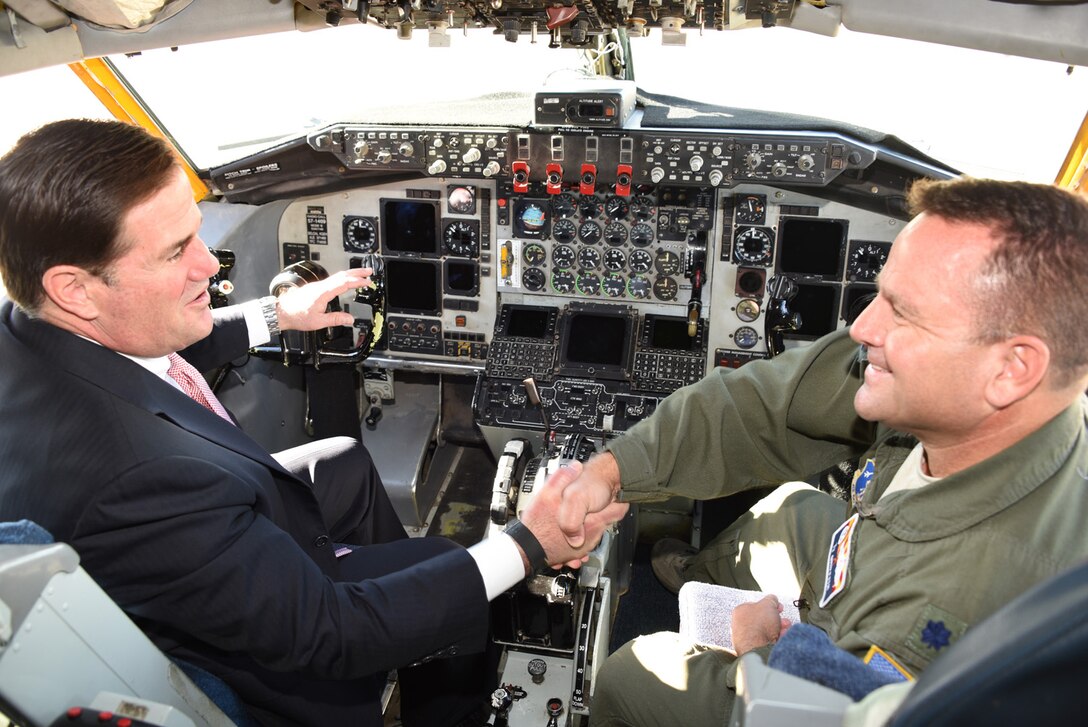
<point x="294" y="584"/>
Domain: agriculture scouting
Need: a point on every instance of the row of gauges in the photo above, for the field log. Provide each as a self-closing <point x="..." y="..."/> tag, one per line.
<point x="459" y="237"/>
<point x="611" y="284"/>
<point x="591" y="207"/>
<point x="591" y="232"/>
<point x="665" y="262"/>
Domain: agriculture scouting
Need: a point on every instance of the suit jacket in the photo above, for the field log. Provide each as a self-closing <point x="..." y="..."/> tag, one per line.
<point x="220" y="554"/>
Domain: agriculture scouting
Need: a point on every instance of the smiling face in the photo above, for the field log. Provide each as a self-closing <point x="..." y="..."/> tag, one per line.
<point x="153" y="300"/>
<point x="926" y="375"/>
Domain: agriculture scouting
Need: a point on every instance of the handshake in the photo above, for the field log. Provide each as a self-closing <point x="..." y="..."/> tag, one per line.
<point x="569" y="514"/>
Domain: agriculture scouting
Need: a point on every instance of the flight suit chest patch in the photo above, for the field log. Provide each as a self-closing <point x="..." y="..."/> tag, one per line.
<point x="934" y="631"/>
<point x="838" y="560"/>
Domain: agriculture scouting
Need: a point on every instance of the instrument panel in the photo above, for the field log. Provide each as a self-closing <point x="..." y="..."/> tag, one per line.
<point x="610" y="266"/>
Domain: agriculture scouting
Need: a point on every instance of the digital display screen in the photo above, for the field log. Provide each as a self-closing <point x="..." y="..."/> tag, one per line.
<point x="462" y="277"/>
<point x="410" y="225"/>
<point x="672" y="334"/>
<point x="531" y="218"/>
<point x="528" y="322"/>
<point x="411" y="286"/>
<point x="812" y="247"/>
<point x="596" y="343"/>
<point x="819" y="309"/>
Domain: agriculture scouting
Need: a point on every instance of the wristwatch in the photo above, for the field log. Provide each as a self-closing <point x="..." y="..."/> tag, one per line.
<point x="271" y="316"/>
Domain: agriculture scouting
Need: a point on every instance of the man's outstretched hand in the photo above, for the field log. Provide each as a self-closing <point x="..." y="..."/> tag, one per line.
<point x="592" y="492"/>
<point x="542" y="518"/>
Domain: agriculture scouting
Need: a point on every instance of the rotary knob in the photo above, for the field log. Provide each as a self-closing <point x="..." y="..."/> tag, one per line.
<point x="696" y="163"/>
<point x="471" y="156"/>
<point x="715" y="177"/>
<point x="805" y="163"/>
<point x="437" y="166"/>
<point x="406" y="149"/>
<point x="385" y="156"/>
<point x="778" y="169"/>
<point x="657" y="174"/>
<point x="537" y="669"/>
<point x="361" y="148"/>
<point x="491" y="169"/>
<point x="753" y="160"/>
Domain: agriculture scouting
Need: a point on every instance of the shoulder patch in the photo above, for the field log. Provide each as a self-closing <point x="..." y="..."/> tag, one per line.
<point x="883" y="663"/>
<point x="934" y="631"/>
<point x="862" y="477"/>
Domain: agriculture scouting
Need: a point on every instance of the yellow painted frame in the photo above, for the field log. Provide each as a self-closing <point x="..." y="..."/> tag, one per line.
<point x="99" y="75"/>
<point x="1074" y="171"/>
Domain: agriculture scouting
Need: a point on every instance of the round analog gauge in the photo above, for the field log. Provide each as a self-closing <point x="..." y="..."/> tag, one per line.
<point x="666" y="289"/>
<point x="751" y="209"/>
<point x="534" y="254"/>
<point x="563" y="281"/>
<point x="462" y="200"/>
<point x="533" y="279"/>
<point x="640" y="261"/>
<point x="589" y="232"/>
<point x="564" y="205"/>
<point x="753" y="245"/>
<point x="614" y="285"/>
<point x="614" y="259"/>
<point x="589" y="283"/>
<point x="360" y="234"/>
<point x="563" y="256"/>
<point x="589" y="206"/>
<point x="639" y="287"/>
<point x="616" y="207"/>
<point x="461" y="238"/>
<point x="745" y="337"/>
<point x="642" y="235"/>
<point x="589" y="258"/>
<point x="615" y="234"/>
<point x="748" y="310"/>
<point x="564" y="231"/>
<point x="667" y="262"/>
<point x="644" y="208"/>
<point x="866" y="260"/>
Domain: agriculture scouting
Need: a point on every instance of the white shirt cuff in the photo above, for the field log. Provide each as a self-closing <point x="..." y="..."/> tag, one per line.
<point x="255" y="325"/>
<point x="500" y="563"/>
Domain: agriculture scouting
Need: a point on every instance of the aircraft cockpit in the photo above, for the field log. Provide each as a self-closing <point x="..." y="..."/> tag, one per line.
<point x="554" y="260"/>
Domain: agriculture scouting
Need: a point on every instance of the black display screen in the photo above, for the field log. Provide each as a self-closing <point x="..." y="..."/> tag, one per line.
<point x="462" y="277"/>
<point x="596" y="343"/>
<point x="672" y="334"/>
<point x="410" y="225"/>
<point x="855" y="300"/>
<point x="819" y="308"/>
<point x="412" y="286"/>
<point x="528" y="323"/>
<point x="811" y="247"/>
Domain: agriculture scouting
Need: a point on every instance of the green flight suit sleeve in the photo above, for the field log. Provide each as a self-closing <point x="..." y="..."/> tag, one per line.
<point x="765" y="423"/>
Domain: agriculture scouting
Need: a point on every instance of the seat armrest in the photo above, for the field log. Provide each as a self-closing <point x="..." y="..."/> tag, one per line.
<point x="767" y="697"/>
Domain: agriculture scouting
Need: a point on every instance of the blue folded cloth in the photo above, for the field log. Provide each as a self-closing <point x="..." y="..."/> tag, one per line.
<point x="24" y="532"/>
<point x="807" y="652"/>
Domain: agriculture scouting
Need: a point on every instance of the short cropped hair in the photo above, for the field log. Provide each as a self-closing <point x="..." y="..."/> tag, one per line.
<point x="64" y="192"/>
<point x="1034" y="281"/>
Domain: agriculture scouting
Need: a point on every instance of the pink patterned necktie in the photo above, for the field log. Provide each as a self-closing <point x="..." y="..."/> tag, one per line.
<point x="193" y="384"/>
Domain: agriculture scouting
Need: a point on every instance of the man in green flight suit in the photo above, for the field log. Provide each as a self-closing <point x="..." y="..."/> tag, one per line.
<point x="965" y="404"/>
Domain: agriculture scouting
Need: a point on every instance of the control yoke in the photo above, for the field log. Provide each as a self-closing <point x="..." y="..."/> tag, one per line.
<point x="329" y="346"/>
